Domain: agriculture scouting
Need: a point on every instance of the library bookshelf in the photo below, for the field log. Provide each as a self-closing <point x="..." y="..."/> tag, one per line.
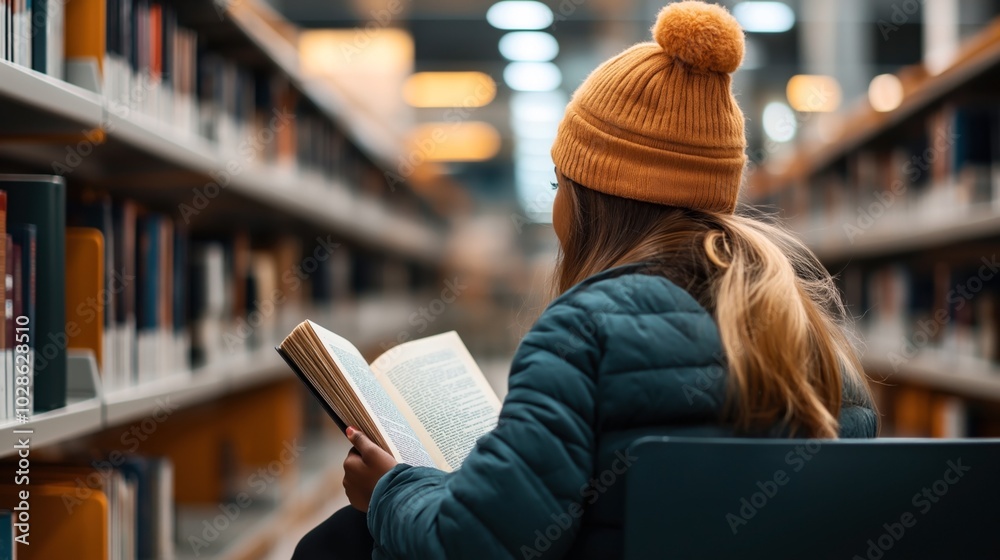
<point x="311" y="197"/>
<point x="904" y="207"/>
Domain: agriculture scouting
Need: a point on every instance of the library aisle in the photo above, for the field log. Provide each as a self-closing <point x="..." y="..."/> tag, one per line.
<point x="184" y="183"/>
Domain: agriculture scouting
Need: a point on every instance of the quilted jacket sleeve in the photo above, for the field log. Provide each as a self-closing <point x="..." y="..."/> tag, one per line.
<point x="525" y="479"/>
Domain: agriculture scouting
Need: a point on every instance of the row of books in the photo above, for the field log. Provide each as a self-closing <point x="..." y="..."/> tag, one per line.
<point x="143" y="60"/>
<point x="31" y="34"/>
<point x="32" y="258"/>
<point x="933" y="168"/>
<point x="910" y="308"/>
<point x="15" y="31"/>
<point x="90" y="511"/>
<point x="148" y="297"/>
<point x="146" y="61"/>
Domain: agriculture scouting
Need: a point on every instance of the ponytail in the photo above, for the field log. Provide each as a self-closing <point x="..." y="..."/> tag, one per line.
<point x="779" y="313"/>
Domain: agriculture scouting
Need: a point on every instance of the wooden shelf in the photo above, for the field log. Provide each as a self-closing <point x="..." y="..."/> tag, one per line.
<point x="895" y="234"/>
<point x="968" y="377"/>
<point x="33" y="105"/>
<point x="978" y="56"/>
<point x="368" y="131"/>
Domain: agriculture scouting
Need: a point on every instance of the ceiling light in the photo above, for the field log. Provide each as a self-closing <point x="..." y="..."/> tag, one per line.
<point x="529" y="46"/>
<point x="517" y="14"/>
<point x="449" y="141"/>
<point x="764" y="17"/>
<point x="532" y="76"/>
<point x="779" y="121"/>
<point x="449" y="89"/>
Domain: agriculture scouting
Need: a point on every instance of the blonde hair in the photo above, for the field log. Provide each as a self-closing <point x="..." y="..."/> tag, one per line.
<point x="779" y="313"/>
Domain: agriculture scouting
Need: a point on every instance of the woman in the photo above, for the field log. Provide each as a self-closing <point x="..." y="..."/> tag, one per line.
<point x="676" y="316"/>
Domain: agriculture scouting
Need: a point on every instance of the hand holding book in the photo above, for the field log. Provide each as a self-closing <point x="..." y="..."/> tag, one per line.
<point x="364" y="466"/>
<point x="424" y="402"/>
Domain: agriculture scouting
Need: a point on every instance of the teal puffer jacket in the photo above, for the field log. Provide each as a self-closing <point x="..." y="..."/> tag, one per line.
<point x="620" y="356"/>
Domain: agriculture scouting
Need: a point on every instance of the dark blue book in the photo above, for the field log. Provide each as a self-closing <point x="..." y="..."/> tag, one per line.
<point x="6" y="534"/>
<point x="179" y="284"/>
<point x="41" y="200"/>
<point x="136" y="469"/>
<point x="148" y="277"/>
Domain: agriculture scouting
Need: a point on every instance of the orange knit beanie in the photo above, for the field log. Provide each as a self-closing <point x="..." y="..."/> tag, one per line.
<point x="658" y="122"/>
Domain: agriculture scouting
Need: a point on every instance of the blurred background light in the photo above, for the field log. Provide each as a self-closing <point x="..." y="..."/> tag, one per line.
<point x="814" y="93"/>
<point x="764" y="17"/>
<point x="518" y="14"/>
<point x="449" y="89"/>
<point x="450" y="141"/>
<point x="532" y="76"/>
<point x="779" y="122"/>
<point x="529" y="46"/>
<point x="885" y="93"/>
<point x="534" y="118"/>
<point x="754" y="57"/>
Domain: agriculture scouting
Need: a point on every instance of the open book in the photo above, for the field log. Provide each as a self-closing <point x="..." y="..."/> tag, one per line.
<point x="425" y="401"/>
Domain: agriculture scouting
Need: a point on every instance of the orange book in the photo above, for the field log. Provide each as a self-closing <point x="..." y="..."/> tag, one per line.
<point x="57" y="531"/>
<point x="84" y="290"/>
<point x="156" y="41"/>
<point x="85" y="33"/>
<point x="912" y="412"/>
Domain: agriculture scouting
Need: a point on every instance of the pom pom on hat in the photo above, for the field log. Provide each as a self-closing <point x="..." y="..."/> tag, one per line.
<point x="704" y="36"/>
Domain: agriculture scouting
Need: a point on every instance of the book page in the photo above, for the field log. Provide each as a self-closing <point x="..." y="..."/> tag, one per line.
<point x="445" y="390"/>
<point x="375" y="399"/>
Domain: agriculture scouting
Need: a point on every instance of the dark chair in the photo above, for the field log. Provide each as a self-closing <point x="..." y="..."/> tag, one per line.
<point x="803" y="499"/>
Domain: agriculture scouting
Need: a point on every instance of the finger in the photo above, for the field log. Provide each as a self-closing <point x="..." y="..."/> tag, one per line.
<point x="353" y="462"/>
<point x="361" y="442"/>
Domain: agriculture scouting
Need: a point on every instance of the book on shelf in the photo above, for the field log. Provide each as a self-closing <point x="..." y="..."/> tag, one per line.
<point x="934" y="167"/>
<point x="424" y="401"/>
<point x="910" y="307"/>
<point x="126" y="512"/>
<point x="15" y="31"/>
<point x="40" y="201"/>
<point x="84" y="294"/>
<point x="7" y="549"/>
